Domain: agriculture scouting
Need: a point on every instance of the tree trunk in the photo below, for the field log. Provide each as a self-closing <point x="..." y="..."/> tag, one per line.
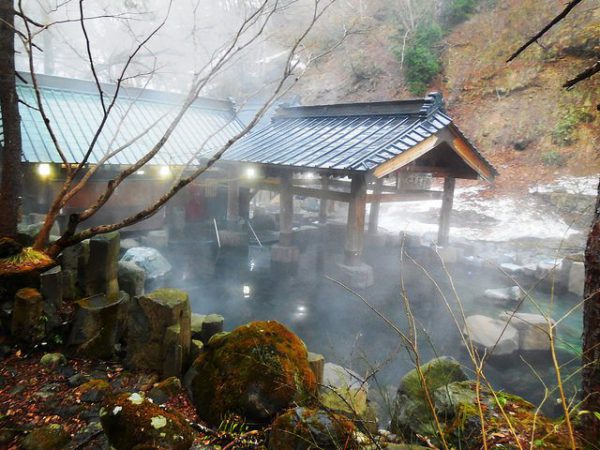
<point x="10" y="185"/>
<point x="591" y="331"/>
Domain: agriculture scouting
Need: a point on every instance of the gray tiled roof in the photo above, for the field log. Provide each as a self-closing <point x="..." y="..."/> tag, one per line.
<point x="74" y="109"/>
<point x="345" y="137"/>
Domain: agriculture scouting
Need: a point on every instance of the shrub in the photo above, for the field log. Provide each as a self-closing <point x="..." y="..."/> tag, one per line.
<point x="563" y="133"/>
<point x="553" y="158"/>
<point x="459" y="10"/>
<point x="421" y="59"/>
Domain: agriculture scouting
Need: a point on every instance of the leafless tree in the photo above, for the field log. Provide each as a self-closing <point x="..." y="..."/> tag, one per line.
<point x="590" y="420"/>
<point x="252" y="28"/>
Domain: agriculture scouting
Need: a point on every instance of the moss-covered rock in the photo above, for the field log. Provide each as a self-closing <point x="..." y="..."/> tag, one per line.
<point x="461" y="409"/>
<point x="305" y="428"/>
<point x="50" y="437"/>
<point x="132" y="421"/>
<point x="345" y="392"/>
<point x="412" y="414"/>
<point x="53" y="360"/>
<point x="93" y="391"/>
<point x="166" y="389"/>
<point x="256" y="371"/>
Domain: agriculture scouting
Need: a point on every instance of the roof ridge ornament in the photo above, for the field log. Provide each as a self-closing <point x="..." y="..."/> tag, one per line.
<point x="434" y="101"/>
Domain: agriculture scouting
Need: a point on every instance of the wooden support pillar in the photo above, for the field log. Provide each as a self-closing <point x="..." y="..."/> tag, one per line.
<point x="374" y="210"/>
<point x="286" y="210"/>
<point x="447" y="201"/>
<point x="244" y="203"/>
<point x="233" y="201"/>
<point x="355" y="227"/>
<point x="323" y="201"/>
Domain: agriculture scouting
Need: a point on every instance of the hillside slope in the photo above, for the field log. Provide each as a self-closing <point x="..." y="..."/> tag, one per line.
<point x="518" y="115"/>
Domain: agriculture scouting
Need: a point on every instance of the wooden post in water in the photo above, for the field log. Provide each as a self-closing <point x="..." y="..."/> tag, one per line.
<point x="355" y="227"/>
<point x="286" y="209"/>
<point x="447" y="201"/>
<point x="323" y="201"/>
<point x="374" y="210"/>
<point x="233" y="199"/>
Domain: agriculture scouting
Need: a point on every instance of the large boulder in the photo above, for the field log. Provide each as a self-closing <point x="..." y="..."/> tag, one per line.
<point x="304" y="429"/>
<point x="151" y="260"/>
<point x="133" y="421"/>
<point x="458" y="408"/>
<point x="257" y="371"/>
<point x="132" y="278"/>
<point x="49" y="437"/>
<point x="492" y="336"/>
<point x="412" y="412"/>
<point x="159" y="332"/>
<point x="534" y="330"/>
<point x="345" y="392"/>
<point x="99" y="324"/>
<point x="101" y="271"/>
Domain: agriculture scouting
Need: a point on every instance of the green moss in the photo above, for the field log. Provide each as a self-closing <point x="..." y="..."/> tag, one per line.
<point x="169" y="296"/>
<point x="96" y="384"/>
<point x="255" y="371"/>
<point x="27" y="261"/>
<point x="438" y="372"/>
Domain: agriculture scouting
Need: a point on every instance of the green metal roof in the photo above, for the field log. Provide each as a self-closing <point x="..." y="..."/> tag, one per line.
<point x="139" y="118"/>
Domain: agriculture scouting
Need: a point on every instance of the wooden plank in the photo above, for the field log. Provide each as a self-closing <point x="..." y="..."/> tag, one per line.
<point x="406" y="196"/>
<point x="441" y="172"/>
<point x="447" y="202"/>
<point x="473" y="160"/>
<point x="355" y="226"/>
<point x="319" y="193"/>
<point x="407" y="156"/>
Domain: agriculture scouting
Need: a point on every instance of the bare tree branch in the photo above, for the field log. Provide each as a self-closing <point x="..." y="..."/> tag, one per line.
<point x="544" y="30"/>
<point x="587" y="73"/>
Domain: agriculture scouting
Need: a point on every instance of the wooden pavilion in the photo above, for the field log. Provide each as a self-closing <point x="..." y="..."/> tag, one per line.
<point x="359" y="151"/>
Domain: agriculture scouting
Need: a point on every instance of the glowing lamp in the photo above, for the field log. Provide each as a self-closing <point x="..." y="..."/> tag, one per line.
<point x="44" y="170"/>
<point x="251" y="172"/>
<point x="164" y="172"/>
<point x="140" y="172"/>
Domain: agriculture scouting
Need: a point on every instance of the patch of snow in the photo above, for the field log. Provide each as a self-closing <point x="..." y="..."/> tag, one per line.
<point x="512" y="218"/>
<point x="569" y="185"/>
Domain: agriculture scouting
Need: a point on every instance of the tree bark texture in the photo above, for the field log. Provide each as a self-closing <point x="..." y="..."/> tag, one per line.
<point x="10" y="186"/>
<point x="591" y="331"/>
